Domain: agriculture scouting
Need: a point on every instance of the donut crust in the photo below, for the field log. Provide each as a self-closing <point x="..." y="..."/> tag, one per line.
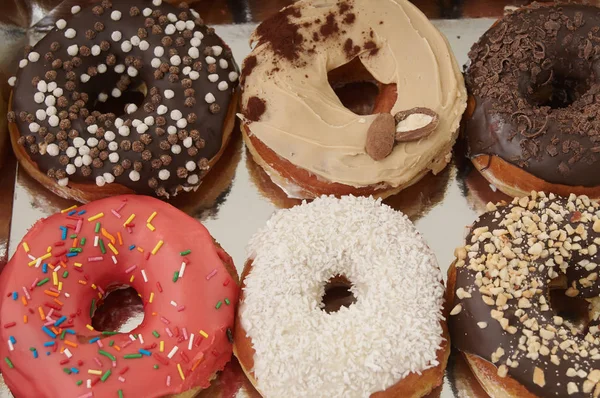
<point x="412" y="386"/>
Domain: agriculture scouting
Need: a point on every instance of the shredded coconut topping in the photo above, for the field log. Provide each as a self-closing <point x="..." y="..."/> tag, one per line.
<point x="392" y="329"/>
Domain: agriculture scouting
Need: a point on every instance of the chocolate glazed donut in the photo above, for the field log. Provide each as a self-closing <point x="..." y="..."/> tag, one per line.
<point x="140" y="93"/>
<point x="532" y="121"/>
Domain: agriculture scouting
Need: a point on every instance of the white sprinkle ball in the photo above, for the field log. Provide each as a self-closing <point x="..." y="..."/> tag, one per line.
<point x="57" y="92"/>
<point x="52" y="149"/>
<point x="142" y="128"/>
<point x="190" y="25"/>
<point x="33" y="56"/>
<point x="155" y="63"/>
<point x="116" y="93"/>
<point x="176" y="114"/>
<point x="50" y="100"/>
<point x="75" y="9"/>
<point x="92" y="142"/>
<point x="134" y="175"/>
<point x="233" y="76"/>
<point x="223" y="63"/>
<point x="70" y="33"/>
<point x="210" y="60"/>
<point x="115" y="15"/>
<point x="23" y="63"/>
<point x="113" y="157"/>
<point x="34" y="127"/>
<point x="176" y="149"/>
<point x="12" y="80"/>
<point x="190" y="166"/>
<point x="116" y="35"/>
<point x="120" y="68"/>
<point x="188" y="142"/>
<point x="136" y="122"/>
<point x="42" y="86"/>
<point x="186" y="71"/>
<point x="102" y="97"/>
<point x="86" y="159"/>
<point x="182" y="123"/>
<point x="61" y="24"/>
<point x="159" y="51"/>
<point x="194" y="13"/>
<point x="124" y="131"/>
<point x="40" y="114"/>
<point x="109" y="135"/>
<point x="63" y="182"/>
<point x="175" y="60"/>
<point x="161" y="110"/>
<point x="78" y="161"/>
<point x="172" y="130"/>
<point x="100" y="181"/>
<point x="92" y="129"/>
<point x="71" y="152"/>
<point x="169" y="94"/>
<point x="147" y="12"/>
<point x="144" y="45"/>
<point x="195" y="42"/>
<point x="164" y="174"/>
<point x="217" y="50"/>
<point x="113" y="146"/>
<point x="39" y="97"/>
<point x="84" y="150"/>
<point x="131" y="71"/>
<point x="209" y="98"/>
<point x="171" y="17"/>
<point x="193" y="179"/>
<point x="198" y="35"/>
<point x="149" y="120"/>
<point x="52" y="86"/>
<point x="222" y="86"/>
<point x="73" y="50"/>
<point x="96" y="50"/>
<point x="53" y="121"/>
<point x="119" y="122"/>
<point x="170" y="29"/>
<point x="213" y="77"/>
<point x="194" y="75"/>
<point x="51" y="110"/>
<point x="102" y="68"/>
<point x="70" y="169"/>
<point x="109" y="178"/>
<point x="85" y="78"/>
<point x="78" y="142"/>
<point x="126" y="46"/>
<point x="180" y="25"/>
<point x="194" y="53"/>
<point x="135" y="40"/>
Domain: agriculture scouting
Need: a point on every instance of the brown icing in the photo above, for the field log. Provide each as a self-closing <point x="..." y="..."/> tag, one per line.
<point x="201" y="82"/>
<point x="534" y="77"/>
<point x="521" y="328"/>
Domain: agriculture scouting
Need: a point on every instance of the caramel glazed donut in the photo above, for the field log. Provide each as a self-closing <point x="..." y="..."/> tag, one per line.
<point x="298" y="130"/>
<point x="108" y="58"/>
<point x="533" y="101"/>
<point x="525" y="302"/>
<point x="391" y="342"/>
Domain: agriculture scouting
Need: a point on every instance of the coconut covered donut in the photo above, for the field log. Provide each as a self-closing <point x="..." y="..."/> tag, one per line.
<point x="63" y="271"/>
<point x="300" y="132"/>
<point x="390" y="342"/>
<point x="524" y="298"/>
<point x="124" y="97"/>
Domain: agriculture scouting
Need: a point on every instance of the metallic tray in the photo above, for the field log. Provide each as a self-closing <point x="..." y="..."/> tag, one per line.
<point x="237" y="197"/>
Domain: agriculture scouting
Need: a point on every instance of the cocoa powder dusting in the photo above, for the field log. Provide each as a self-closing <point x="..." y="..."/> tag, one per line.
<point x="330" y="27"/>
<point x="282" y="34"/>
<point x="255" y="109"/>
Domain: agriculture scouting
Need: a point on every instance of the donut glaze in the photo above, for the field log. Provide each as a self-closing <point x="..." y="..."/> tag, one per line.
<point x="534" y="81"/>
<point x="502" y="310"/>
<point x="184" y="338"/>
<point x="159" y="147"/>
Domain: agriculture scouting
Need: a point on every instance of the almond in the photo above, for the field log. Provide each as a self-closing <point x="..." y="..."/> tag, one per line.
<point x="380" y="136"/>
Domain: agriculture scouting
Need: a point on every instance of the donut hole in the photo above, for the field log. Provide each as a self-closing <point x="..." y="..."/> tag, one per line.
<point x="103" y="101"/>
<point x="337" y="294"/>
<point x="355" y="87"/>
<point x="556" y="90"/>
<point x="575" y="311"/>
<point x="121" y="310"/>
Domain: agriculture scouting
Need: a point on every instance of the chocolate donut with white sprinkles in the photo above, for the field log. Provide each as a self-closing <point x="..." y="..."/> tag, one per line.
<point x="125" y="97"/>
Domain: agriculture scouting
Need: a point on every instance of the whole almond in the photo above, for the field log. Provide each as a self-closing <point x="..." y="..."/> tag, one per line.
<point x="381" y="136"/>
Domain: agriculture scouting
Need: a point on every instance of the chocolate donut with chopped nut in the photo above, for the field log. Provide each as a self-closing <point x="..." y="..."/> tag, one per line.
<point x="532" y="122"/>
<point x="124" y="97"/>
<point x="524" y="297"/>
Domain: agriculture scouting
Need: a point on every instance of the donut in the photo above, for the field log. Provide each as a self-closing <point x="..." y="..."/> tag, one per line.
<point x="523" y="294"/>
<point x="309" y="142"/>
<point x="131" y="97"/>
<point x="67" y="265"/>
<point x="531" y="122"/>
<point x="341" y="298"/>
